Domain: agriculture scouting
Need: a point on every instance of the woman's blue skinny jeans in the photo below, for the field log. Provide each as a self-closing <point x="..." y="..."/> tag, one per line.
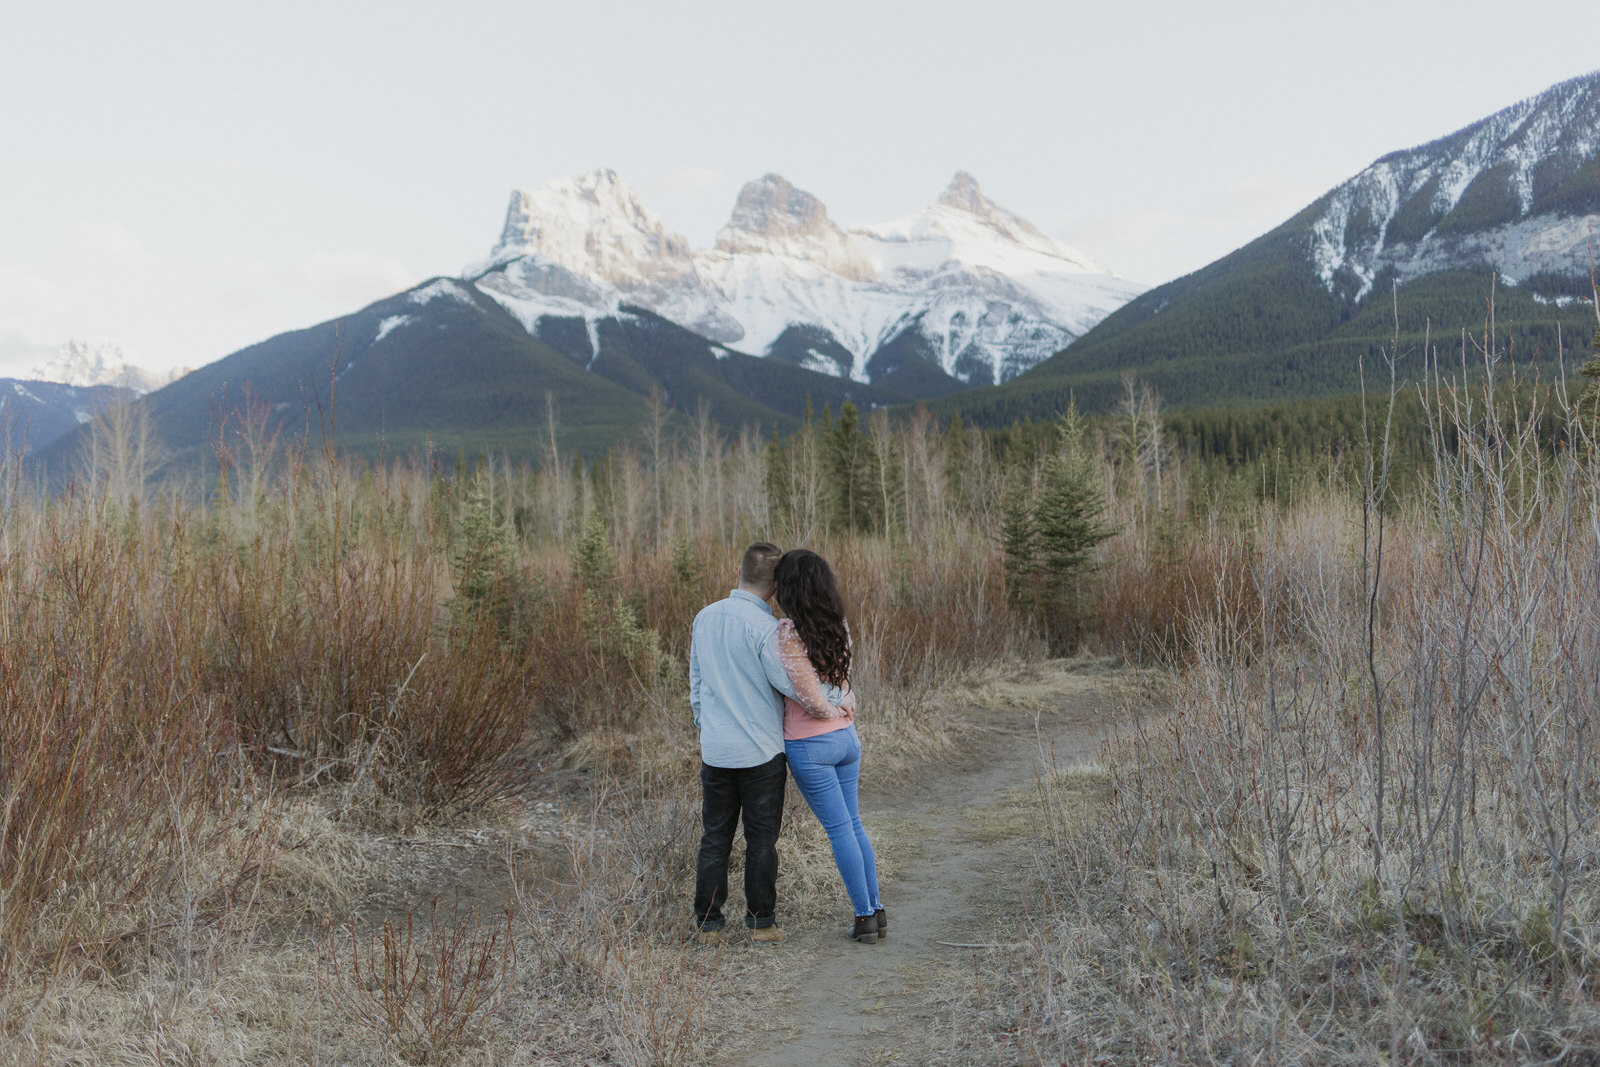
<point x="827" y="768"/>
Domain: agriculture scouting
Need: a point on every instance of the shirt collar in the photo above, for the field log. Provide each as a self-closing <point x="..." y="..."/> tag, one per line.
<point x="751" y="597"/>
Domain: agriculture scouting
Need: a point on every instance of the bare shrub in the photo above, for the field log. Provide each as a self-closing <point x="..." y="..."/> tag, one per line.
<point x="424" y="992"/>
<point x="114" y="774"/>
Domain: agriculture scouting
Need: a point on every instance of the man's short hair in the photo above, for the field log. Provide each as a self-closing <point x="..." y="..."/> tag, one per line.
<point x="760" y="560"/>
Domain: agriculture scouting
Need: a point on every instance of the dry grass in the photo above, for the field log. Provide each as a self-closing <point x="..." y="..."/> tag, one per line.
<point x="1363" y="827"/>
<point x="249" y="741"/>
<point x="275" y="766"/>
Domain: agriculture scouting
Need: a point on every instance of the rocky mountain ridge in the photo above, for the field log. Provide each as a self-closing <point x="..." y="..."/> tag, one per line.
<point x="965" y="290"/>
<point x="1518" y="192"/>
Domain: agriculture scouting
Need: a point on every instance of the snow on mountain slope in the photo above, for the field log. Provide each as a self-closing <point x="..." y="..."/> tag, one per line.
<point x="994" y="281"/>
<point x="33" y="413"/>
<point x="1515" y="191"/>
<point x="988" y="293"/>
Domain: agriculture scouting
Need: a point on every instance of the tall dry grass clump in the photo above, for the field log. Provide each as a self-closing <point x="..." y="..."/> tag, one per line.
<point x="1364" y="828"/>
<point x="128" y="814"/>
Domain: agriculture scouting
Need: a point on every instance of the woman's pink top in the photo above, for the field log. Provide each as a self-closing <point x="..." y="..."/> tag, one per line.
<point x="812" y="713"/>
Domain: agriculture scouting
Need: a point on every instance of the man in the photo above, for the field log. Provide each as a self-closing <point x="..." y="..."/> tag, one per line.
<point x="735" y="682"/>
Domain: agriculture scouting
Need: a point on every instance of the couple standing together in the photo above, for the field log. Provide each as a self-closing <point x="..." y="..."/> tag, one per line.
<point x="772" y="698"/>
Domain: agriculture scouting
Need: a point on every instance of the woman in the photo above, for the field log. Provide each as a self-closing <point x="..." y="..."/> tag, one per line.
<point x="819" y="730"/>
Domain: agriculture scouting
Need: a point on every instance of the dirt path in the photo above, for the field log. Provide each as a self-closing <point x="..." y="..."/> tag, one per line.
<point x="959" y="841"/>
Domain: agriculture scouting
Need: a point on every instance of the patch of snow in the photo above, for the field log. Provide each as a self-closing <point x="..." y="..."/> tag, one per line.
<point x="1375" y="196"/>
<point x="528" y="306"/>
<point x="1543" y="243"/>
<point x="441" y="288"/>
<point x="389" y="324"/>
<point x="593" y="324"/>
<point x="820" y="363"/>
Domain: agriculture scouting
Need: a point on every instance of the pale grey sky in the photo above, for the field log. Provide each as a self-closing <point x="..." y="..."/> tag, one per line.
<point x="191" y="178"/>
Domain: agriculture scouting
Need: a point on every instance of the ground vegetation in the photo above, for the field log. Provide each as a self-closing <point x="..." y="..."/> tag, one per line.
<point x="331" y="760"/>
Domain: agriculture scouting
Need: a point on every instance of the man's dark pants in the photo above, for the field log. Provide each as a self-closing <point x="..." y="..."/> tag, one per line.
<point x="757" y="794"/>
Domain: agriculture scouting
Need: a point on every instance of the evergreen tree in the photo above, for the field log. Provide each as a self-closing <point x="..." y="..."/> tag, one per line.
<point x="1588" y="404"/>
<point x="480" y="563"/>
<point x="1017" y="539"/>
<point x="603" y="479"/>
<point x="849" y="469"/>
<point x="1069" y="517"/>
<point x="595" y="559"/>
<point x="1021" y="451"/>
<point x="1049" y="531"/>
<point x="957" y="458"/>
<point x="780" y="488"/>
<point x="686" y="565"/>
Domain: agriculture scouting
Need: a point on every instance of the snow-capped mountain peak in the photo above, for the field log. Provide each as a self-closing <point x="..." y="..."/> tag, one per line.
<point x="596" y="226"/>
<point x="770" y="208"/>
<point x="977" y="232"/>
<point x="85" y="362"/>
<point x="963" y="194"/>
<point x="965" y="284"/>
<point x="772" y="217"/>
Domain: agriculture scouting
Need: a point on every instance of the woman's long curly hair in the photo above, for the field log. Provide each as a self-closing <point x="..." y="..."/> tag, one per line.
<point x="808" y="594"/>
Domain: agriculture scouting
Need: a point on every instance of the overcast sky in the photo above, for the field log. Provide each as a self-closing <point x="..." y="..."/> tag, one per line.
<point x="192" y="178"/>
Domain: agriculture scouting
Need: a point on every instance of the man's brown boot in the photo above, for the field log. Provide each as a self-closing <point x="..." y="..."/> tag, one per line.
<point x="768" y="935"/>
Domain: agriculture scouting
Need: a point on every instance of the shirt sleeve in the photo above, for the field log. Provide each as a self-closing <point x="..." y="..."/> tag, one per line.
<point x="802" y="674"/>
<point x="777" y="677"/>
<point x="694" y="683"/>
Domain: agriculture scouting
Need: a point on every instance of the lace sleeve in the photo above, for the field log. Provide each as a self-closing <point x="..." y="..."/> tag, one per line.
<point x="808" y="689"/>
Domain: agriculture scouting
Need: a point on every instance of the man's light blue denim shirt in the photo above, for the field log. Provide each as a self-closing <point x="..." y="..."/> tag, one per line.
<point x="736" y="682"/>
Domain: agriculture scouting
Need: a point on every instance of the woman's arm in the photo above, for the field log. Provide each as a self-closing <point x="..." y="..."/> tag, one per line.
<point x="808" y="691"/>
